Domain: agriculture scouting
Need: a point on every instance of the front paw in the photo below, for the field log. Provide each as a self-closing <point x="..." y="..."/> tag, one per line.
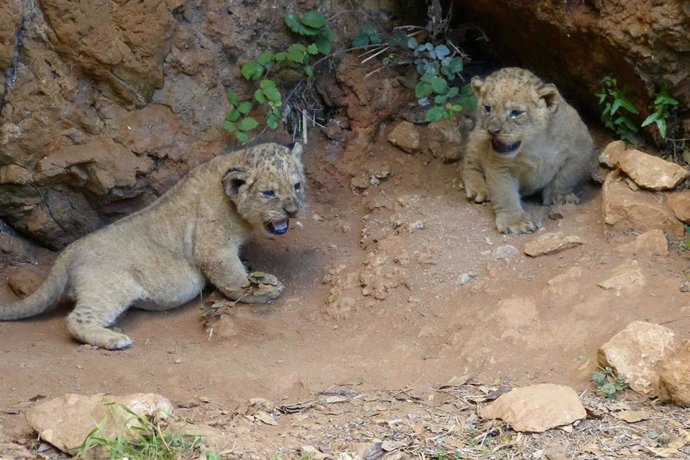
<point x="522" y="223"/>
<point x="263" y="287"/>
<point x="475" y="189"/>
<point x="560" y="200"/>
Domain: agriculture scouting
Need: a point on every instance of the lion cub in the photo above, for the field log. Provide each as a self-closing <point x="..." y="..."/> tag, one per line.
<point x="163" y="255"/>
<point x="527" y="139"/>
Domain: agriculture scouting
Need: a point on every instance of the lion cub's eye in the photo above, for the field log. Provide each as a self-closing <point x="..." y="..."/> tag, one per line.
<point x="298" y="186"/>
<point x="268" y="193"/>
<point x="516" y="113"/>
<point x="487" y="109"/>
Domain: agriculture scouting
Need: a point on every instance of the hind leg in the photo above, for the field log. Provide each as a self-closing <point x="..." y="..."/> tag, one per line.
<point x="97" y="307"/>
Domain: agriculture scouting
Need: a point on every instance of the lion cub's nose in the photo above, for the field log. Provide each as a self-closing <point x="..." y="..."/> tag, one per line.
<point x="291" y="208"/>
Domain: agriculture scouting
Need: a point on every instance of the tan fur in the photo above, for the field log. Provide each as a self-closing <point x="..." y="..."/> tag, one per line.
<point x="163" y="255"/>
<point x="527" y="140"/>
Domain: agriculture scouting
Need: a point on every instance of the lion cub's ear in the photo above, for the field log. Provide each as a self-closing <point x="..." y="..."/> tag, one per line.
<point x="551" y="96"/>
<point x="297" y="150"/>
<point x="477" y="84"/>
<point x="233" y="180"/>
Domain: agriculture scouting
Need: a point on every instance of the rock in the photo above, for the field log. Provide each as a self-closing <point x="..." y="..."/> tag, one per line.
<point x="536" y="408"/>
<point x="674" y="378"/>
<point x="23" y="281"/>
<point x="625" y="210"/>
<point x="10" y="21"/>
<point x="132" y="63"/>
<point x="406" y="136"/>
<point x="612" y="153"/>
<point x="444" y="140"/>
<point x="67" y="420"/>
<point x="551" y="243"/>
<point x="635" y="352"/>
<point x="504" y="252"/>
<point x="679" y="203"/>
<point x="651" y="243"/>
<point x="625" y="277"/>
<point x="652" y="172"/>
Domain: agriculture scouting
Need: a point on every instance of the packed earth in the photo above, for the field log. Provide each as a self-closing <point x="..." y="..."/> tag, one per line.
<point x="404" y="311"/>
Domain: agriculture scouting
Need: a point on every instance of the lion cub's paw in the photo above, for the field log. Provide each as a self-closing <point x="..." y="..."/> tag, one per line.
<point x="476" y="191"/>
<point x="263" y="287"/>
<point x="560" y="200"/>
<point x="520" y="224"/>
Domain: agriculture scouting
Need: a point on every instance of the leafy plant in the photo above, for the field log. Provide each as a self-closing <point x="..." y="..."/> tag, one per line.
<point x="140" y="439"/>
<point x="438" y="67"/>
<point x="662" y="105"/>
<point x="368" y="36"/>
<point x="312" y="26"/>
<point x="607" y="383"/>
<point x="617" y="110"/>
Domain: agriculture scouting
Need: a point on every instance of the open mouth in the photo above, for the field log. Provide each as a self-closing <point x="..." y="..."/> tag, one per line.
<point x="278" y="227"/>
<point x="500" y="147"/>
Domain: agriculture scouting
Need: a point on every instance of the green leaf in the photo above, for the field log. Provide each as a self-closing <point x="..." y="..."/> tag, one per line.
<point x="248" y="124"/>
<point x="439" y="85"/>
<point x="309" y="71"/>
<point x="244" y="107"/>
<point x="264" y="58"/>
<point x="297" y="48"/>
<point x="440" y="99"/>
<point x="615" y="106"/>
<point x="233" y="97"/>
<point x="267" y="83"/>
<point x="293" y="22"/>
<point x="229" y="126"/>
<point x="650" y="119"/>
<point x="452" y="92"/>
<point x="312" y="49"/>
<point x="441" y="51"/>
<point x="423" y="89"/>
<point x="234" y="115"/>
<point x="272" y="94"/>
<point x="435" y="114"/>
<point x="248" y="69"/>
<point x="313" y="19"/>
<point x="661" y="125"/>
<point x="323" y="44"/>
<point x="272" y="121"/>
<point x="280" y="56"/>
<point x="360" y="40"/>
<point x="627" y="105"/>
<point x="260" y="96"/>
<point x="242" y="136"/>
<point x="412" y="43"/>
<point x="456" y="108"/>
<point x="664" y="98"/>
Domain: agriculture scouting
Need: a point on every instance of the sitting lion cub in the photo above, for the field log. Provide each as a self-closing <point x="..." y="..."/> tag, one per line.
<point x="527" y="139"/>
<point x="163" y="255"/>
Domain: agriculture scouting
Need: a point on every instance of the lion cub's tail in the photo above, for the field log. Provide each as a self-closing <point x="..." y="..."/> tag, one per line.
<point x="43" y="298"/>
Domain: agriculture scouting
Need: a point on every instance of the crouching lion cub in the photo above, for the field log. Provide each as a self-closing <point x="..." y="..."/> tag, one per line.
<point x="163" y="255"/>
<point x="527" y="139"/>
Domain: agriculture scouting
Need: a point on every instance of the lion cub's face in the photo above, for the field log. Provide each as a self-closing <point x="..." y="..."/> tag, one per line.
<point x="513" y="104"/>
<point x="269" y="188"/>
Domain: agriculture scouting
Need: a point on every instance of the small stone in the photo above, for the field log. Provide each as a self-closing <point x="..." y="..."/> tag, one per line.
<point x="178" y="361"/>
<point x="635" y="352"/>
<point x="679" y="203"/>
<point x="625" y="277"/>
<point x="405" y="135"/>
<point x="414" y="226"/>
<point x="317" y="217"/>
<point x="625" y="210"/>
<point x="536" y="408"/>
<point x="651" y="243"/>
<point x="652" y="172"/>
<point x="612" y="153"/>
<point x="465" y="278"/>
<point x="552" y="243"/>
<point x="562" y="211"/>
<point x="504" y="252"/>
<point x="685" y="286"/>
<point x="674" y="378"/>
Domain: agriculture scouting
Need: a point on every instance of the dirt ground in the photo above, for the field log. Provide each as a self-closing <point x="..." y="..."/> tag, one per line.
<point x="391" y="290"/>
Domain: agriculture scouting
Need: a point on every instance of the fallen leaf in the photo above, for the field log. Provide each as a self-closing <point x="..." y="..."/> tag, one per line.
<point x="631" y="416"/>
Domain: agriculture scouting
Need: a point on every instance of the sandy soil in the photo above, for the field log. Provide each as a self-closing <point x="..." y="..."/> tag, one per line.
<point x="396" y="286"/>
